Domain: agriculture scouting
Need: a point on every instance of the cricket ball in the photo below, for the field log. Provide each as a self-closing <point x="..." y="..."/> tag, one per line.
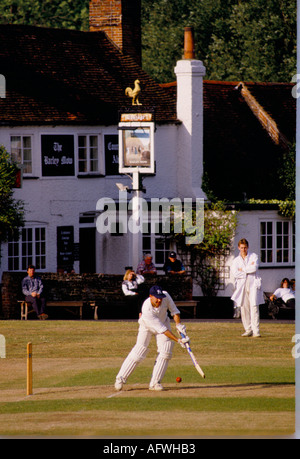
<point x="178" y="379"/>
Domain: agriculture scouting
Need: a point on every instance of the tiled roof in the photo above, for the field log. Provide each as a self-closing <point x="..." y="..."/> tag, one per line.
<point x="241" y="157"/>
<point x="56" y="76"/>
<point x="67" y="76"/>
<point x="237" y="146"/>
<point x="277" y="100"/>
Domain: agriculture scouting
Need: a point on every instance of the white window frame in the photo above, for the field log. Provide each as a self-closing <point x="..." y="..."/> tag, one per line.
<point x="25" y="251"/>
<point x="156" y="244"/>
<point x="88" y="159"/>
<point x="20" y="156"/>
<point x="277" y="248"/>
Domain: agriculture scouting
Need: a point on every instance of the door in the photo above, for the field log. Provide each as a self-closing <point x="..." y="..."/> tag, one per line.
<point x="87" y="253"/>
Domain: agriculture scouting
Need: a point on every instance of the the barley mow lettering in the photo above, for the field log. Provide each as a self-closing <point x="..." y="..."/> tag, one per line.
<point x="58" y="155"/>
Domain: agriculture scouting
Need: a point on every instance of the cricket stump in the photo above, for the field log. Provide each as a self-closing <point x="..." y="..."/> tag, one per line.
<point x="29" y="369"/>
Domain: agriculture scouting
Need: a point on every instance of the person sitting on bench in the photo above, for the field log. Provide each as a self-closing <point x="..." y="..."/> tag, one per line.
<point x="285" y="293"/>
<point x="32" y="288"/>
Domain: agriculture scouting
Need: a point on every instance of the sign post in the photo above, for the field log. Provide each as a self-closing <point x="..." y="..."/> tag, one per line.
<point x="137" y="213"/>
<point x="136" y="157"/>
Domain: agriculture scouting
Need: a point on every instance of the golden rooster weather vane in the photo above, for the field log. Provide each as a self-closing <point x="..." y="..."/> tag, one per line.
<point x="134" y="93"/>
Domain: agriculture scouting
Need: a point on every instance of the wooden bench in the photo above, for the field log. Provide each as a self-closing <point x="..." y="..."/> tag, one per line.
<point x="181" y="305"/>
<point x="184" y="304"/>
<point x="63" y="304"/>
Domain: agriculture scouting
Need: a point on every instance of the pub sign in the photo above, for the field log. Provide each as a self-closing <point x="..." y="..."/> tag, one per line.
<point x="136" y="143"/>
<point x="58" y="156"/>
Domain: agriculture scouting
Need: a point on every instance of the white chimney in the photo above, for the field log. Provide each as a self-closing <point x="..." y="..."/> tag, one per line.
<point x="190" y="73"/>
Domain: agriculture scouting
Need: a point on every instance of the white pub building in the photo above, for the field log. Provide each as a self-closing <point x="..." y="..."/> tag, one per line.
<point x="65" y="93"/>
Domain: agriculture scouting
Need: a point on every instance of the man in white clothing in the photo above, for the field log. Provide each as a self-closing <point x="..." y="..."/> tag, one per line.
<point x="154" y="320"/>
<point x="248" y="294"/>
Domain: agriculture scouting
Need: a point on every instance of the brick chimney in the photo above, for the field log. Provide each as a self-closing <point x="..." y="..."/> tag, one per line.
<point x="189" y="43"/>
<point x="121" y="20"/>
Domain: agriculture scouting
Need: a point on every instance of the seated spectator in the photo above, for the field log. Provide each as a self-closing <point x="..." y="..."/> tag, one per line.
<point x="32" y="288"/>
<point x="293" y="285"/>
<point x="131" y="282"/>
<point x="133" y="292"/>
<point x="146" y="266"/>
<point x="173" y="265"/>
<point x="284" y="293"/>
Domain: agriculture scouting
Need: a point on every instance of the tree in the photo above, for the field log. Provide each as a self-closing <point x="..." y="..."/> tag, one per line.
<point x="287" y="173"/>
<point x="287" y="177"/>
<point x="11" y="210"/>
<point x="163" y="24"/>
<point x="68" y="14"/>
<point x="206" y="259"/>
<point x="256" y="42"/>
<point x="236" y="40"/>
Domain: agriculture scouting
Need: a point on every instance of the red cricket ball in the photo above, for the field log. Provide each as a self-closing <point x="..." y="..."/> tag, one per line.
<point x="178" y="379"/>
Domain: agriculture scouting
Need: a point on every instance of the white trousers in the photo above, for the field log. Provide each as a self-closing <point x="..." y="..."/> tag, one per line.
<point x="250" y="315"/>
<point x="139" y="352"/>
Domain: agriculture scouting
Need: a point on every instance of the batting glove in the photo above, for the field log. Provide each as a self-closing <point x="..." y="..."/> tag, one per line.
<point x="183" y="341"/>
<point x="181" y="329"/>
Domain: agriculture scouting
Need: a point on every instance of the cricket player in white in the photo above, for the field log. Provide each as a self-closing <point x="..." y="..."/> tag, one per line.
<point x="154" y="320"/>
<point x="248" y="294"/>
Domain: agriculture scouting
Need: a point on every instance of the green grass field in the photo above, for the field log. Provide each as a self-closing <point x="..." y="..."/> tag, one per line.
<point x="249" y="389"/>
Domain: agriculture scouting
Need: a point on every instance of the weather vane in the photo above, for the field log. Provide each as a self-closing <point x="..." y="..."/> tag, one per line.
<point x="134" y="93"/>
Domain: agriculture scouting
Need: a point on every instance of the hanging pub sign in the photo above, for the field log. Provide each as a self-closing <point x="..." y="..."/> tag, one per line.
<point x="136" y="143"/>
<point x="58" y="156"/>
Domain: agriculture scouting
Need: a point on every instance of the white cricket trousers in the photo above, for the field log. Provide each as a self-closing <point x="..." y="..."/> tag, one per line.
<point x="249" y="315"/>
<point x="139" y="352"/>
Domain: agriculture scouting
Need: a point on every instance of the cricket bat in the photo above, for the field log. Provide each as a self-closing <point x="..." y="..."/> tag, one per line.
<point x="196" y="364"/>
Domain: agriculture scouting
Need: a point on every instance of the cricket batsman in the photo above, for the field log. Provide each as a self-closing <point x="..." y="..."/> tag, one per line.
<point x="154" y="320"/>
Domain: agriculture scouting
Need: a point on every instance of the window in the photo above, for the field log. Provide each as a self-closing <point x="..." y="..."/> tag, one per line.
<point x="162" y="249"/>
<point x="223" y="271"/>
<point x="40" y="248"/>
<point x="157" y="245"/>
<point x="13" y="255"/>
<point x="29" y="248"/>
<point x="88" y="161"/>
<point x="277" y="242"/>
<point x="21" y="151"/>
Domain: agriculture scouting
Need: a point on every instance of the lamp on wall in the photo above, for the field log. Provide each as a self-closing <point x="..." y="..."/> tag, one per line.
<point x="122" y="187"/>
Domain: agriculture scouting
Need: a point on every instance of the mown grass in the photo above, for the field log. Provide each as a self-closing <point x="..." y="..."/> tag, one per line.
<point x="85" y="354"/>
<point x="150" y="404"/>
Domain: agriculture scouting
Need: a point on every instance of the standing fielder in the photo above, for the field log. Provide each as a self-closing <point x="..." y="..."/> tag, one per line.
<point x="248" y="293"/>
<point x="154" y="320"/>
